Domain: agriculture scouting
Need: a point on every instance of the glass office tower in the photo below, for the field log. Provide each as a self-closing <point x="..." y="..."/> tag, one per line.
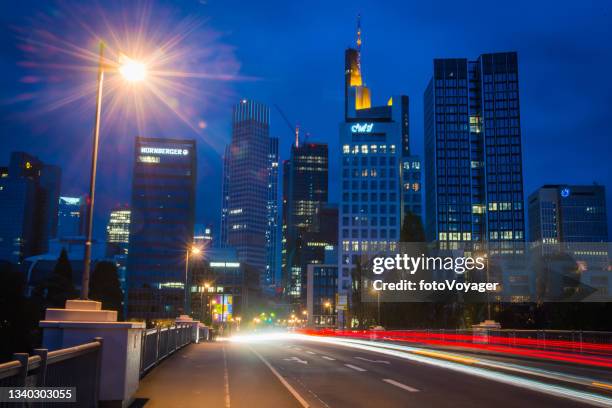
<point x="161" y="226"/>
<point x="306" y="183"/>
<point x="572" y="220"/>
<point x="71" y="217"/>
<point x="564" y="213"/>
<point x="473" y="162"/>
<point x="270" y="280"/>
<point x="245" y="211"/>
<point x="118" y="231"/>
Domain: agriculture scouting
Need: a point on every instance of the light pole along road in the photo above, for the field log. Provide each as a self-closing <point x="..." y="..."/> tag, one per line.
<point x="132" y="71"/>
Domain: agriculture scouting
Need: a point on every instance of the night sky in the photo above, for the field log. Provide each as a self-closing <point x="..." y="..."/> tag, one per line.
<point x="290" y="54"/>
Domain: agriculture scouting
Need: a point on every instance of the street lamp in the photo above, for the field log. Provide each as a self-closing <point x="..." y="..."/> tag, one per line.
<point x="212" y="303"/>
<point x="132" y="71"/>
<point x="195" y="251"/>
<point x="206" y="286"/>
<point x="377" y="305"/>
<point x="328" y="305"/>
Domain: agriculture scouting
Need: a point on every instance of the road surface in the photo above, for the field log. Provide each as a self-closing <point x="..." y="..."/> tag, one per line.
<point x="297" y="373"/>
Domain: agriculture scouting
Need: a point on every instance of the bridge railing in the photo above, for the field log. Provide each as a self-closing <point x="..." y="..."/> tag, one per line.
<point x="160" y="343"/>
<point x="77" y="367"/>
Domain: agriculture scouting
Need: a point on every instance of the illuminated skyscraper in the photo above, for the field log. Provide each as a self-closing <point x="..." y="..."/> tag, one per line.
<point x="474" y="171"/>
<point x="224" y="197"/>
<point x="161" y="226"/>
<point x="306" y="183"/>
<point x="71" y="217"/>
<point x="380" y="178"/>
<point x="245" y="210"/>
<point x="270" y="279"/>
<point x="118" y="231"/>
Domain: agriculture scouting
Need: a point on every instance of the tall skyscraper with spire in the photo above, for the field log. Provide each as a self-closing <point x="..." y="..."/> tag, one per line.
<point x="380" y="178"/>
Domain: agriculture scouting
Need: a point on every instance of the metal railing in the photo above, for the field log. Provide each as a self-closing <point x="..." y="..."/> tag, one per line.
<point x="77" y="366"/>
<point x="160" y="343"/>
<point x="80" y="366"/>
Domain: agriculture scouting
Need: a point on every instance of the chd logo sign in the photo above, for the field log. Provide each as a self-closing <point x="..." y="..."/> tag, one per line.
<point x="362" y="127"/>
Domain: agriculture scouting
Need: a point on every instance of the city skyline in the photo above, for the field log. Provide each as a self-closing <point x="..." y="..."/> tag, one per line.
<point x="547" y="127"/>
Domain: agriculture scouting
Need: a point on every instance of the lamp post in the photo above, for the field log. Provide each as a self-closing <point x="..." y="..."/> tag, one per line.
<point x="378" y="305"/>
<point x="195" y="251"/>
<point x="131" y="71"/>
<point x="327" y="306"/>
<point x="212" y="303"/>
<point x="206" y="286"/>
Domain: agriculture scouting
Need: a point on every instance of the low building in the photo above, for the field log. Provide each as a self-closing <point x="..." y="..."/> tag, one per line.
<point x="321" y="292"/>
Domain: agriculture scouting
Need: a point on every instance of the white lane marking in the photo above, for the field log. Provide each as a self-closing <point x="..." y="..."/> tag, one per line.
<point x="310" y="352"/>
<point x="328" y="358"/>
<point x="296" y="359"/>
<point x="355" y="367"/>
<point x="226" y="380"/>
<point x="297" y="348"/>
<point x="400" y="385"/>
<point x="372" y="361"/>
<point x="292" y="390"/>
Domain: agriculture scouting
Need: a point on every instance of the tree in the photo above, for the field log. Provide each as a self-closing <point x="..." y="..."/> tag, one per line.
<point x="18" y="315"/>
<point x="105" y="287"/>
<point x="417" y="313"/>
<point x="59" y="286"/>
<point x="412" y="229"/>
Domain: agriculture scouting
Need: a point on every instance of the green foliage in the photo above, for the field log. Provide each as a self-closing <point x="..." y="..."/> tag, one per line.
<point x="105" y="287"/>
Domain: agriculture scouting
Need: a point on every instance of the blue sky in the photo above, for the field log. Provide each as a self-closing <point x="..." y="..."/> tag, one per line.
<point x="290" y="54"/>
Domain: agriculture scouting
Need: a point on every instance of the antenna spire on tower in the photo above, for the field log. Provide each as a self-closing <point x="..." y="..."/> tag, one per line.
<point x="358" y="32"/>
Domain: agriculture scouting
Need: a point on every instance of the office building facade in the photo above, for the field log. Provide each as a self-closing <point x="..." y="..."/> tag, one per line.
<point x="473" y="150"/>
<point x="321" y="294"/>
<point x="568" y="213"/>
<point x="380" y="178"/>
<point x="271" y="277"/>
<point x="29" y="198"/>
<point x="71" y="216"/>
<point x="245" y="213"/>
<point x="161" y="226"/>
<point x="118" y="231"/>
<point x="219" y="288"/>
<point x="306" y="183"/>
<point x="571" y="221"/>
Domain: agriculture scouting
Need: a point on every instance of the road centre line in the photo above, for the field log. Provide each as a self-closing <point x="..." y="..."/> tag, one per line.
<point x="400" y="385"/>
<point x="355" y="367"/>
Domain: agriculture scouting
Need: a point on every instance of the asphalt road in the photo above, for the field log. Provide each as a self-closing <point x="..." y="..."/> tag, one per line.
<point x="293" y="373"/>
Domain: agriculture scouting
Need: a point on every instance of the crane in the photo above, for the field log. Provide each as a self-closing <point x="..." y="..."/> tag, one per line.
<point x="295" y="129"/>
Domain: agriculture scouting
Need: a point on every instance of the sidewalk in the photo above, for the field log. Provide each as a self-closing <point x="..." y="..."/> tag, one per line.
<point x="217" y="374"/>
